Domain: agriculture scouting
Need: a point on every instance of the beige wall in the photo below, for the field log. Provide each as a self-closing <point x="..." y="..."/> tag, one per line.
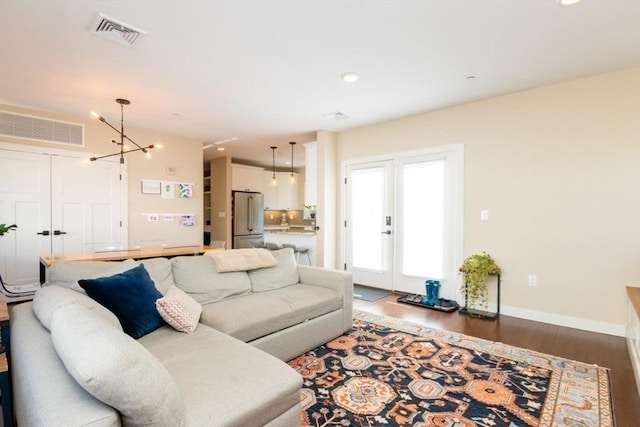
<point x="182" y="154"/>
<point x="558" y="168"/>
<point x="221" y="214"/>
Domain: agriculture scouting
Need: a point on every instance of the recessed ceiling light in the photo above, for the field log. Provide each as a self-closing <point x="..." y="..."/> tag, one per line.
<point x="350" y="76"/>
<point x="568" y="2"/>
<point x="220" y="148"/>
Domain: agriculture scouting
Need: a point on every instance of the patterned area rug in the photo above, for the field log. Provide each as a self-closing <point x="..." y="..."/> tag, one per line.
<point x="388" y="372"/>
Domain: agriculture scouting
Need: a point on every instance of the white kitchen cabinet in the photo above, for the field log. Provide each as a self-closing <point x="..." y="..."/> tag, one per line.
<point x="269" y="190"/>
<point x="283" y="195"/>
<point x="246" y="178"/>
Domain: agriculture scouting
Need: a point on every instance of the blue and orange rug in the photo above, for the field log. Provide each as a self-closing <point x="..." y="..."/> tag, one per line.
<point x="389" y="372"/>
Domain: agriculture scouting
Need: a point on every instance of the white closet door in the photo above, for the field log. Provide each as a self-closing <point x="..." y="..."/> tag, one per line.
<point x="86" y="205"/>
<point x="25" y="201"/>
<point x="60" y="205"/>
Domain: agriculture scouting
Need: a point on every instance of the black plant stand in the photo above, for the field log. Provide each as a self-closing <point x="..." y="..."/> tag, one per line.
<point x="480" y="313"/>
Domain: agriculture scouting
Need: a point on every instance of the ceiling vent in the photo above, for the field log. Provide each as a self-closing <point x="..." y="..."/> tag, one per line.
<point x="40" y="129"/>
<point x="116" y="31"/>
<point x="337" y="115"/>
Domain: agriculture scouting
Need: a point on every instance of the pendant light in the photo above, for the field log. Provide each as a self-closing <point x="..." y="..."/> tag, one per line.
<point x="292" y="177"/>
<point x="122" y="136"/>
<point x="274" y="180"/>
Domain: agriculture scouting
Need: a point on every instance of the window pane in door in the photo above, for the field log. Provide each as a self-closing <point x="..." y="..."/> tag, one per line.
<point x="423" y="219"/>
<point x="367" y="198"/>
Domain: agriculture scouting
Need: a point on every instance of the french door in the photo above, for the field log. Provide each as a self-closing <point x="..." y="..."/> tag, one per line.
<point x="403" y="221"/>
<point x="370" y="223"/>
<point x="60" y="205"/>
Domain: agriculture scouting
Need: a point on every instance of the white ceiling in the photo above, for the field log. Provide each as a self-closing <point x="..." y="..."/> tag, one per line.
<point x="267" y="72"/>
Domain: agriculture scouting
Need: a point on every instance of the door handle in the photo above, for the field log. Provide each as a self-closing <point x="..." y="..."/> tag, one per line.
<point x="58" y="232"/>
<point x="44" y="233"/>
<point x="386" y="232"/>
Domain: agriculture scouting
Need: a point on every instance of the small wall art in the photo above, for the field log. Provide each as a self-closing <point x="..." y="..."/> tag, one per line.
<point x="188" y="220"/>
<point x="150" y="187"/>
<point x="185" y="190"/>
<point x="167" y="190"/>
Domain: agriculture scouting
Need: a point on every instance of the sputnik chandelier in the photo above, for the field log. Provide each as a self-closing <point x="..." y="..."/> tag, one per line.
<point x="120" y="131"/>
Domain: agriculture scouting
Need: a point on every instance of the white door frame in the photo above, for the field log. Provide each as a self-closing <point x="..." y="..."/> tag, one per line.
<point x="454" y="154"/>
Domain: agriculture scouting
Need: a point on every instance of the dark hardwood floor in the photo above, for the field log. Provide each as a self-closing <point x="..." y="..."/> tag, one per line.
<point x="589" y="347"/>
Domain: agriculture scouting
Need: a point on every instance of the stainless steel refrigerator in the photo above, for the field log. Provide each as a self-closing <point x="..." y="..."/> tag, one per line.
<point x="248" y="219"/>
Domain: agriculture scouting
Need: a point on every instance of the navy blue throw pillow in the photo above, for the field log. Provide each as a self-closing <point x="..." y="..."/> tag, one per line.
<point x="131" y="296"/>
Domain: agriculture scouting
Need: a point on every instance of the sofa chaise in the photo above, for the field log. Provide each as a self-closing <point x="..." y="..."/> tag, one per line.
<point x="76" y="363"/>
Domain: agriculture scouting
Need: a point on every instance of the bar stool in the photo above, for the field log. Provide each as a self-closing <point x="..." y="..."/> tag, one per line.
<point x="297" y="251"/>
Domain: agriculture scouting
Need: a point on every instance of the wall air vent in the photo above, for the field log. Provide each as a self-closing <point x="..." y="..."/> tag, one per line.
<point x="116" y="31"/>
<point x="40" y="129"/>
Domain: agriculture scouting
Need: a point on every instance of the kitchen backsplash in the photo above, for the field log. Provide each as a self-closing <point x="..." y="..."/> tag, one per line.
<point x="294" y="218"/>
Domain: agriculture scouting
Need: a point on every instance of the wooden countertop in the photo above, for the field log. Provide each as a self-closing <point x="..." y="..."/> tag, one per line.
<point x="119" y="255"/>
<point x="634" y="297"/>
<point x="4" y="311"/>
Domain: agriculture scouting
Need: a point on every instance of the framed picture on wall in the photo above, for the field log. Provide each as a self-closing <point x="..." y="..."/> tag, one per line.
<point x="150" y="187"/>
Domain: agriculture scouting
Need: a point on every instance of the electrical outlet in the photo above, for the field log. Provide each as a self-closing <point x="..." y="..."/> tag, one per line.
<point x="533" y="280"/>
<point x="484" y="215"/>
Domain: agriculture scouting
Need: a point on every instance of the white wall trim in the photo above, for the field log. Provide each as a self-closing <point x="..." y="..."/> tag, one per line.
<point x="567" y="321"/>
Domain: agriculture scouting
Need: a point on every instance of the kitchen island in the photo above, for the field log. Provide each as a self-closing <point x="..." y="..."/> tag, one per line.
<point x="298" y="236"/>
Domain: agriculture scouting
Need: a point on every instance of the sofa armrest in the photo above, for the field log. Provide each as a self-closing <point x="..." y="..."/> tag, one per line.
<point x="339" y="281"/>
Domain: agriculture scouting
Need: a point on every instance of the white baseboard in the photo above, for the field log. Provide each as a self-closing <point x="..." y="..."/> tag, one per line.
<point x="568" y="321"/>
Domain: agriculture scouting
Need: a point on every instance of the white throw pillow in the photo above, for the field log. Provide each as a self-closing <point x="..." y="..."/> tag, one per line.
<point x="179" y="310"/>
<point x="116" y="369"/>
<point x="242" y="259"/>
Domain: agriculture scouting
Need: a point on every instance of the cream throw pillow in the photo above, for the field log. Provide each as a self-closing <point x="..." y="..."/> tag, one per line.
<point x="115" y="368"/>
<point x="179" y="310"/>
<point x="242" y="259"/>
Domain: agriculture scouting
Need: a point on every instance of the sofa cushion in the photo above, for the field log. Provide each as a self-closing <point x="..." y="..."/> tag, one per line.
<point x="179" y="310"/>
<point x="225" y="382"/>
<point x="67" y="273"/>
<point x="241" y="259"/>
<point x="259" y="314"/>
<point x="44" y="394"/>
<point x="50" y="298"/>
<point x="160" y="271"/>
<point x="284" y="274"/>
<point x="131" y="296"/>
<point x="115" y="368"/>
<point x="197" y="276"/>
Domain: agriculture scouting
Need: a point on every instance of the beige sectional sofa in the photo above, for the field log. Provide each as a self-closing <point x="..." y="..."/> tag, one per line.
<point x="72" y="364"/>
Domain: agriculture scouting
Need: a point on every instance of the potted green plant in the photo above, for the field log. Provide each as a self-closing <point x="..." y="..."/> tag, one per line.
<point x="4" y="228"/>
<point x="312" y="210"/>
<point x="476" y="269"/>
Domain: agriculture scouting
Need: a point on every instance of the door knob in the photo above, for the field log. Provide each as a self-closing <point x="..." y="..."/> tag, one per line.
<point x="386" y="232"/>
<point x="58" y="232"/>
<point x="44" y="233"/>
